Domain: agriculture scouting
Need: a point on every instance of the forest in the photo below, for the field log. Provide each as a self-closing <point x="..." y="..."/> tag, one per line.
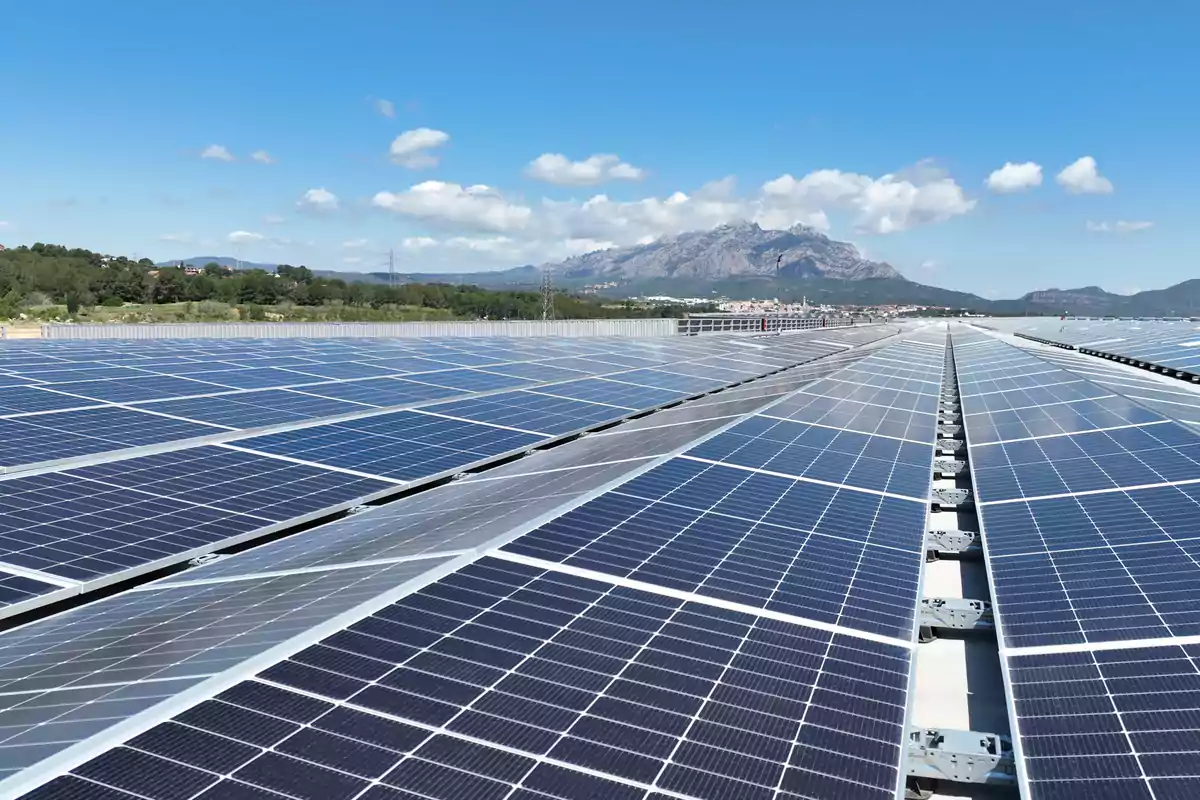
<point x="46" y="281"/>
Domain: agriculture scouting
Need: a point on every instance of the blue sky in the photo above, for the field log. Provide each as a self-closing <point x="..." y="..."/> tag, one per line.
<point x="896" y="113"/>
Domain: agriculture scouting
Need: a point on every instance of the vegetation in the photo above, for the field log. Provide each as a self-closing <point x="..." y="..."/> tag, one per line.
<point x="51" y="282"/>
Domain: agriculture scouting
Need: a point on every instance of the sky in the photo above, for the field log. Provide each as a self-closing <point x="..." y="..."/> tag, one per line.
<point x="993" y="148"/>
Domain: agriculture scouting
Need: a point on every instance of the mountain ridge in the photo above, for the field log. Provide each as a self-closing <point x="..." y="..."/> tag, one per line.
<point x="738" y="261"/>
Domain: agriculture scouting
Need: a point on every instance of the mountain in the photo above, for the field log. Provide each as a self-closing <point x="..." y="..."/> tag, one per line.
<point x="224" y="261"/>
<point x="741" y="249"/>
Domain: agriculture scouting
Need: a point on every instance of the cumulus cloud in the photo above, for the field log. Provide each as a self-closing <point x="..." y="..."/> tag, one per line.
<point x="1120" y="226"/>
<point x="217" y="153"/>
<point x="274" y="219"/>
<point x="177" y="238"/>
<point x="412" y="149"/>
<point x="262" y="157"/>
<point x="483" y="222"/>
<point x="242" y="237"/>
<point x="1015" y="177"/>
<point x="318" y="200"/>
<point x="386" y="108"/>
<point x="1082" y="177"/>
<point x="558" y="169"/>
<point x="887" y="204"/>
<point x="475" y="207"/>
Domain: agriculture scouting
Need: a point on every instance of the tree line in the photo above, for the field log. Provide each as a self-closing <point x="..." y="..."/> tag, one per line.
<point x="80" y="279"/>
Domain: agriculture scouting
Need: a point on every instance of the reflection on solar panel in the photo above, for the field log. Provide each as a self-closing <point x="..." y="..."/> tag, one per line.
<point x="1089" y="508"/>
<point x="703" y="670"/>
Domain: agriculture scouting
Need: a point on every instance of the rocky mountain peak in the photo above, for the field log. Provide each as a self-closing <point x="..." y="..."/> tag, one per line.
<point x="734" y="249"/>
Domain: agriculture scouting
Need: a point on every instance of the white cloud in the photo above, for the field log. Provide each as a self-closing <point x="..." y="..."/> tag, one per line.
<point x="242" y="237"/>
<point x="4" y="224"/>
<point x="217" y="153"/>
<point x="1082" y="177"/>
<point x="274" y="219"/>
<point x="262" y="157"/>
<point x="177" y="238"/>
<point x="558" y="169"/>
<point x="386" y="107"/>
<point x="1015" y="177"/>
<point x="355" y="244"/>
<point x="887" y="204"/>
<point x="1120" y="226"/>
<point x="929" y="265"/>
<point x="472" y="207"/>
<point x="318" y="200"/>
<point x="411" y="148"/>
<point x="494" y="229"/>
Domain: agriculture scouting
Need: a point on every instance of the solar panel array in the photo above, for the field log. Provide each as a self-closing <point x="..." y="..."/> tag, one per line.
<point x="1173" y="347"/>
<point x="123" y="458"/>
<point x="719" y="623"/>
<point x="1089" y="505"/>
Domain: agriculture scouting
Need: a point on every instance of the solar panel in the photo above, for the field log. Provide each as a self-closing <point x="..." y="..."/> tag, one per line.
<point x="218" y="479"/>
<point x="68" y="677"/>
<point x="1089" y="521"/>
<point x="501" y="678"/>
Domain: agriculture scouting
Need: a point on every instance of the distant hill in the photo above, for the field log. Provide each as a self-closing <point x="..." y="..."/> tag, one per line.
<point x="224" y="261"/>
<point x="738" y="261"/>
<point x="736" y="250"/>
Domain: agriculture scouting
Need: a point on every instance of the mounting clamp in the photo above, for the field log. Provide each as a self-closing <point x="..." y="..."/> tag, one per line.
<point x="948" y="417"/>
<point x="949" y="431"/>
<point x="958" y="543"/>
<point x="207" y="558"/>
<point x="358" y="509"/>
<point x="954" y="613"/>
<point x="950" y="445"/>
<point x="950" y="498"/>
<point x="943" y="754"/>
<point x="948" y="466"/>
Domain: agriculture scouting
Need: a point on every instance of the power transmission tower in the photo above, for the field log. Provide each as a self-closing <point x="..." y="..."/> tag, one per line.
<point x="547" y="294"/>
<point x="392" y="268"/>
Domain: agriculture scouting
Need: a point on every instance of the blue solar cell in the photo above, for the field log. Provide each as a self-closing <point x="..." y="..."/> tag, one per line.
<point x="229" y="479"/>
<point x="257" y="408"/>
<point x="127" y="390"/>
<point x="848" y="458"/>
<point x="68" y="434"/>
<point x="1109" y="724"/>
<point x="381" y="392"/>
<point x="256" y="378"/>
<point x="611" y="392"/>
<point x="404" y="445"/>
<point x="24" y="399"/>
<point x="531" y="411"/>
<point x="471" y="380"/>
<point x="762" y="540"/>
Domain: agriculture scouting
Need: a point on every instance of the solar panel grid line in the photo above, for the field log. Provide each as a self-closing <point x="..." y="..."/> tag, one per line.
<point x="1075" y="433"/>
<point x="1090" y="492"/>
<point x="1038" y="405"/>
<point x="805" y="479"/>
<point x="846" y="430"/>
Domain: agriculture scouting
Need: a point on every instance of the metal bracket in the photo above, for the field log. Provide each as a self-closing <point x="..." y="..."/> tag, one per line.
<point x="959" y="543"/>
<point x="952" y="466"/>
<point x="950" y="497"/>
<point x="954" y="613"/>
<point x="943" y="754"/>
<point x="207" y="558"/>
<point x="948" y="417"/>
<point x="950" y="445"/>
<point x="458" y="476"/>
<point x="949" y="431"/>
<point x="358" y="509"/>
<point x="949" y="405"/>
